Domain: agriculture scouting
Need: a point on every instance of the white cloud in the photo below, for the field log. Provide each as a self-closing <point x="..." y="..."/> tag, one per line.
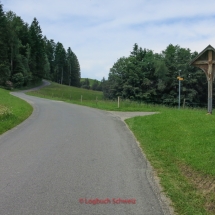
<point x="100" y="32"/>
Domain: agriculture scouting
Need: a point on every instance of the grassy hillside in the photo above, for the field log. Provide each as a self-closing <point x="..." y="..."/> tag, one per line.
<point x="67" y="93"/>
<point x="12" y="111"/>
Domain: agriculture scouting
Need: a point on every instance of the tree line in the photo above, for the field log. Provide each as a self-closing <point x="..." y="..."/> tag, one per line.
<point x="151" y="77"/>
<point x="26" y="56"/>
<point x="95" y="85"/>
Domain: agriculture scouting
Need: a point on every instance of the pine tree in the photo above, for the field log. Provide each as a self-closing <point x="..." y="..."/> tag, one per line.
<point x="60" y="62"/>
<point x="38" y="54"/>
<point x="19" y="61"/>
<point x="50" y="47"/>
<point x="26" y="55"/>
<point x="4" y="63"/>
<point x="73" y="68"/>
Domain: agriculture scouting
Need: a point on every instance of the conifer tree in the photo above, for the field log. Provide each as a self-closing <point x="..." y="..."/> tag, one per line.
<point x="38" y="54"/>
<point x="4" y="64"/>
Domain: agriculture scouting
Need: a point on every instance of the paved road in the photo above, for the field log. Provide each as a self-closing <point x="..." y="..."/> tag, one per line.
<point x="65" y="156"/>
<point x="125" y="115"/>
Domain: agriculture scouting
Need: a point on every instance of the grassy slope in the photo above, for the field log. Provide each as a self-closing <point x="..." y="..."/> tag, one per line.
<point x="180" y="145"/>
<point x="17" y="111"/>
<point x="63" y="92"/>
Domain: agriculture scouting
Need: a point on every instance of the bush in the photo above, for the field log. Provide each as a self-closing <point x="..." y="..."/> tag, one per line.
<point x="18" y="79"/>
<point x="9" y="85"/>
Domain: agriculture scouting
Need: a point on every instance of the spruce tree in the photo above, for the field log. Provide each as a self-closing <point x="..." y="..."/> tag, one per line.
<point x="4" y="63"/>
<point x="38" y="54"/>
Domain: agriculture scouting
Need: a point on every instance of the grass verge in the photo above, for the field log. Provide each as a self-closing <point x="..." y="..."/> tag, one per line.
<point x="12" y="111"/>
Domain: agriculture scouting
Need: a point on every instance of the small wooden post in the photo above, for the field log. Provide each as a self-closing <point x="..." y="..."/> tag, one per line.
<point x="184" y="103"/>
<point x="118" y="101"/>
<point x="81" y="98"/>
<point x="96" y="100"/>
<point x="70" y="97"/>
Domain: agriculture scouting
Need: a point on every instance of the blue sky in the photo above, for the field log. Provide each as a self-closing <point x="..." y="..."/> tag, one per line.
<point x="102" y="31"/>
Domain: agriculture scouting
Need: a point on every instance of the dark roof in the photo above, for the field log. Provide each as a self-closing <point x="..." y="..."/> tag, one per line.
<point x="209" y="47"/>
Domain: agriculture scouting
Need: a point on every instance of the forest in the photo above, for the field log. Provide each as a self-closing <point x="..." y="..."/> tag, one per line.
<point x="150" y="77"/>
<point x="26" y="56"/>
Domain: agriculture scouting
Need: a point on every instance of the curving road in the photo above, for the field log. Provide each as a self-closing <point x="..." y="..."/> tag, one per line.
<point x="67" y="159"/>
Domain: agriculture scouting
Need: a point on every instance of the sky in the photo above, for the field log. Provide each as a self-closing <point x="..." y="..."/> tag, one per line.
<point x="99" y="32"/>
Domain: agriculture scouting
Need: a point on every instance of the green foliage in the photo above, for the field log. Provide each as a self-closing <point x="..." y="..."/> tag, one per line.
<point x="25" y="50"/>
<point x="97" y="85"/>
<point x="18" y="79"/>
<point x="92" y="84"/>
<point x="9" y="85"/>
<point x="50" y="53"/>
<point x="85" y="84"/>
<point x="60" y="61"/>
<point x="73" y="68"/>
<point x="4" y="72"/>
<point x="151" y="77"/>
<point x="4" y="65"/>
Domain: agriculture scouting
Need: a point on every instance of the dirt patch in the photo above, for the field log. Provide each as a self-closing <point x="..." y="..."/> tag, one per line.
<point x="205" y="185"/>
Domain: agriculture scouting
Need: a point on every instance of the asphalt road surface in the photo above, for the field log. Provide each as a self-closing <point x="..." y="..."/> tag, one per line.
<point x="67" y="159"/>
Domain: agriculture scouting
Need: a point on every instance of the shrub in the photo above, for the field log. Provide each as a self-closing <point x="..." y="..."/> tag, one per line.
<point x="9" y="85"/>
<point x="18" y="79"/>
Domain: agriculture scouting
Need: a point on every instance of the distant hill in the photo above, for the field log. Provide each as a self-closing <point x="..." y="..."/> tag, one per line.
<point x="90" y="81"/>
